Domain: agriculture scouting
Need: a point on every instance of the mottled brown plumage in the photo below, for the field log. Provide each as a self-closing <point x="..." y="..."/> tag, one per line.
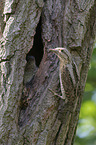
<point x="66" y="73"/>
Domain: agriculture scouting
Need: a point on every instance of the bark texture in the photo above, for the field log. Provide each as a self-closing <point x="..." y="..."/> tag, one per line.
<point x="42" y="119"/>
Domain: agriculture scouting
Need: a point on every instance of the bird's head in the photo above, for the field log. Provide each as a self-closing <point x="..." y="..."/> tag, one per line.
<point x="31" y="60"/>
<point x="62" y="53"/>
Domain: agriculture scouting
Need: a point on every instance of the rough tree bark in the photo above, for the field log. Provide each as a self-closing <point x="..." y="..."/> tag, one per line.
<point x="41" y="118"/>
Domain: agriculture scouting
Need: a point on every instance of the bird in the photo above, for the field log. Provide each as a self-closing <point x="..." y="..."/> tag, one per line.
<point x="65" y="69"/>
<point x="30" y="69"/>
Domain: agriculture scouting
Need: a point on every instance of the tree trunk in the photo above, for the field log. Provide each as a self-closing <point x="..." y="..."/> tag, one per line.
<point x="30" y="113"/>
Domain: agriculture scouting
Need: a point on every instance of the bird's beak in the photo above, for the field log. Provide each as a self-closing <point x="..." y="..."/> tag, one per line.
<point x="51" y="49"/>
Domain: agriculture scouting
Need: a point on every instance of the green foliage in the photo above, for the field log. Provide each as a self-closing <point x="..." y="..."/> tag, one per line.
<point x="86" y="130"/>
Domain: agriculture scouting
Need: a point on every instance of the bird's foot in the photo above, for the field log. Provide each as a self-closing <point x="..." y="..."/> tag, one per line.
<point x="55" y="94"/>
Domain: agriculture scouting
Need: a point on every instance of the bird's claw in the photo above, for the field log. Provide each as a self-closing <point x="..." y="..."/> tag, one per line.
<point x="55" y="94"/>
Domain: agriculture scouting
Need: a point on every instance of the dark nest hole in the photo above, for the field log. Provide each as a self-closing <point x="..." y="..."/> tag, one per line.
<point x="37" y="49"/>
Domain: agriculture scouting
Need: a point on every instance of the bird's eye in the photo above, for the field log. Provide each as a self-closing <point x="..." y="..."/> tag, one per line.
<point x="61" y="50"/>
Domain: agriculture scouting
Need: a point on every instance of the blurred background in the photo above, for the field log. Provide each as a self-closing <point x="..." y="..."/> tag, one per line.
<point x="86" y="129"/>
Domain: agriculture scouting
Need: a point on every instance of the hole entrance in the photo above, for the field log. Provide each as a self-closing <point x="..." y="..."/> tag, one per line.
<point x="37" y="49"/>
